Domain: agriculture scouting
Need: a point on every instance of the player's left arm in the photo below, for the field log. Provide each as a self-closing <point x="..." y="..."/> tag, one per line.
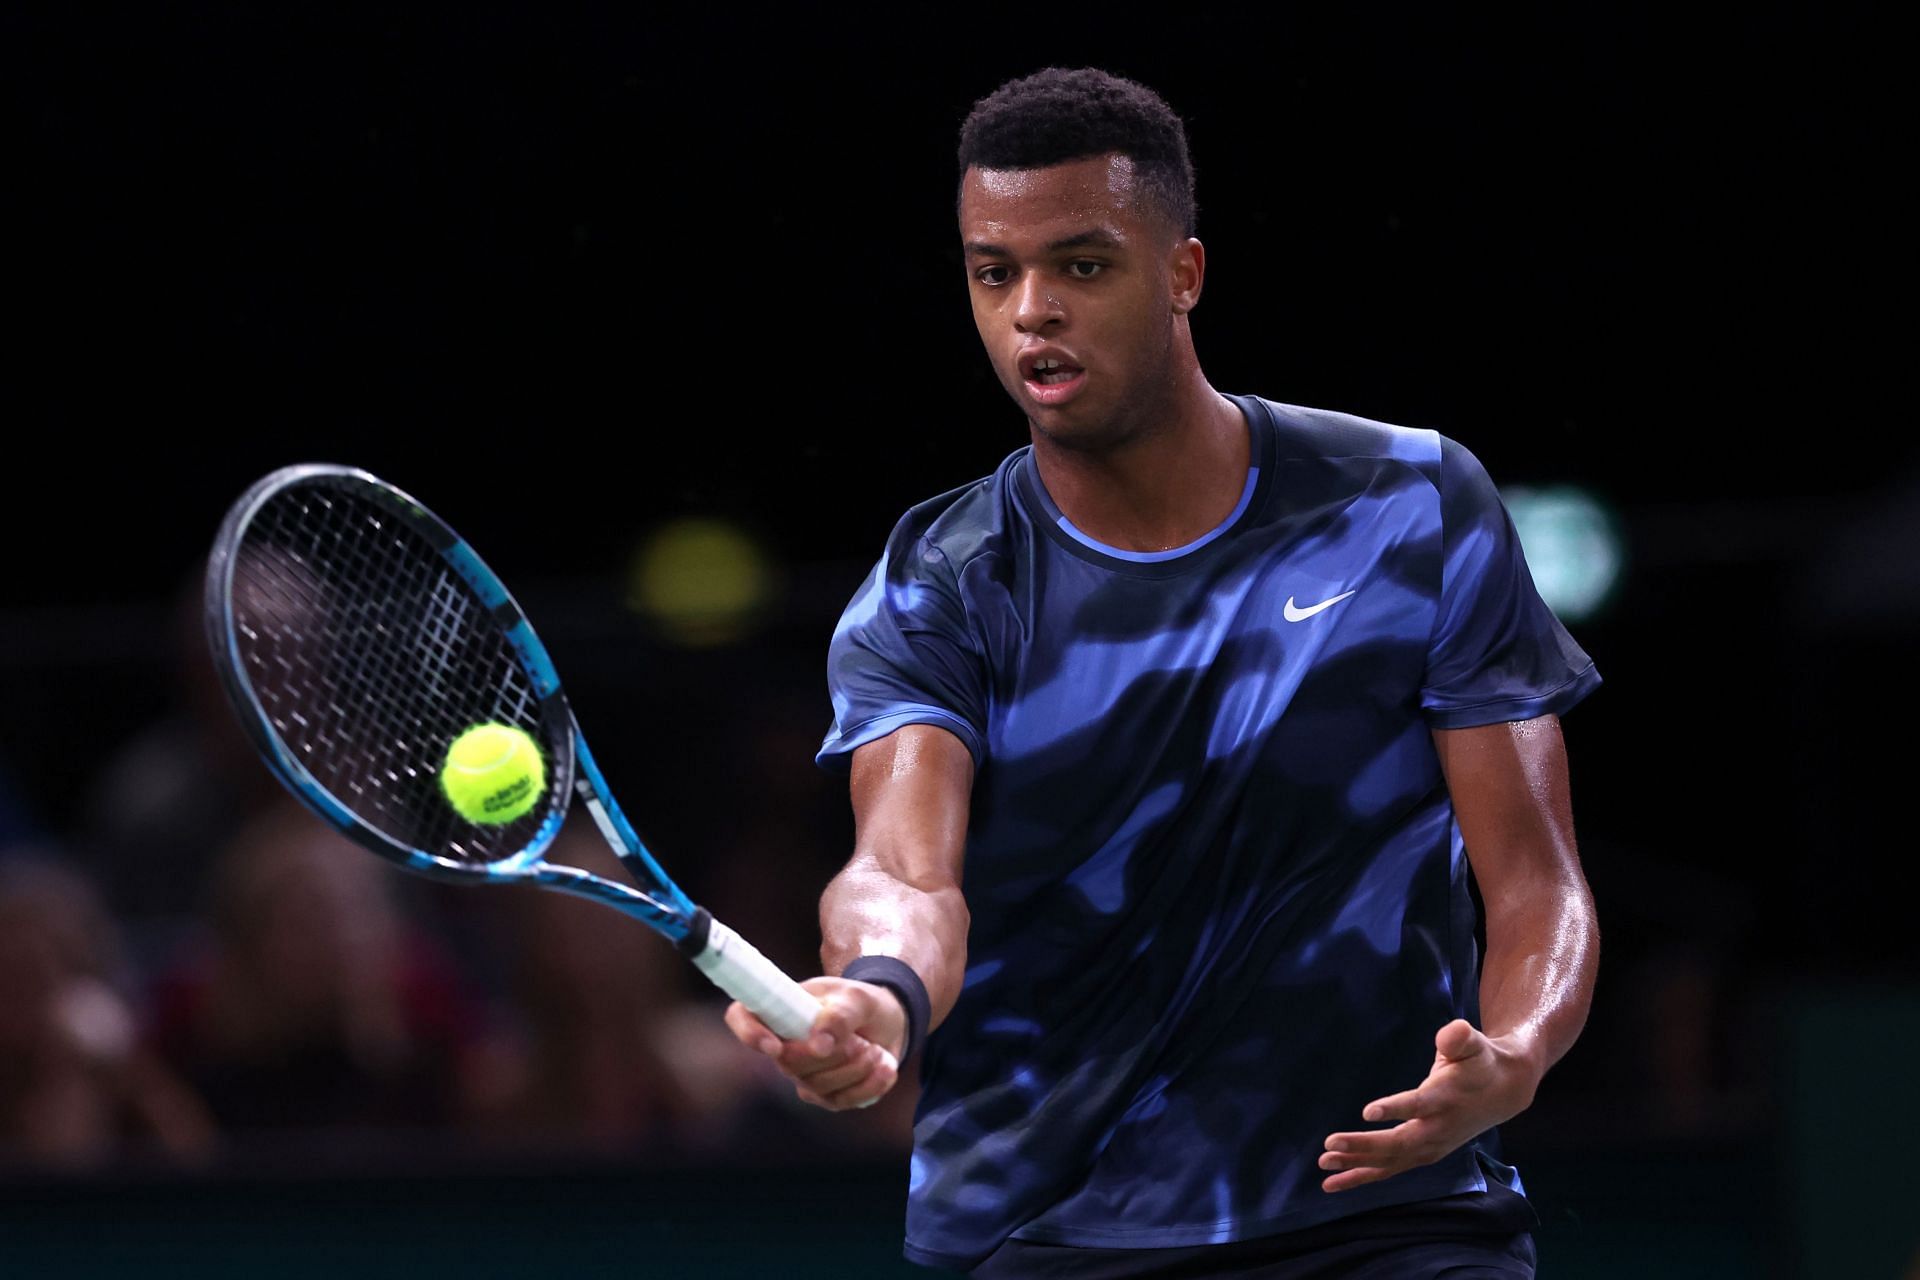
<point x="1510" y="795"/>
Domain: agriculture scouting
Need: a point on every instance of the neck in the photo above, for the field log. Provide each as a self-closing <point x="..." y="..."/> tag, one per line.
<point x="1163" y="485"/>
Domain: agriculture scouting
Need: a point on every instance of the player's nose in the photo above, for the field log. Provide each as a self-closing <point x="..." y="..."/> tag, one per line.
<point x="1035" y="307"/>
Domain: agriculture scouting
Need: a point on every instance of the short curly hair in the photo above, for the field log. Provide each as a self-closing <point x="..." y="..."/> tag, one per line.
<point x="1057" y="115"/>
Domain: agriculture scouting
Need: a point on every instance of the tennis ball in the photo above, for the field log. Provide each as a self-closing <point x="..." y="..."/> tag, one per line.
<point x="493" y="774"/>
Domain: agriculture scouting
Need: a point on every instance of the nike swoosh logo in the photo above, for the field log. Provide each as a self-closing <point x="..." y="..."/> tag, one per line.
<point x="1294" y="614"/>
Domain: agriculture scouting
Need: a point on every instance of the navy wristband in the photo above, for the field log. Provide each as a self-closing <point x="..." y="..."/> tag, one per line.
<point x="898" y="977"/>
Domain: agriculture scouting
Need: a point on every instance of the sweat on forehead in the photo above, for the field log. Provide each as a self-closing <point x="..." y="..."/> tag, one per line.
<point x="1111" y="177"/>
<point x="1096" y="190"/>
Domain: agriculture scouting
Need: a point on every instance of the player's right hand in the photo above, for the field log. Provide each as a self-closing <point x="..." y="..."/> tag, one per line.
<point x="850" y="1057"/>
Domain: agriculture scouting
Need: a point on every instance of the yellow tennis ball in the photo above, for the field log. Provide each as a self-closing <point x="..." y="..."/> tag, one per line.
<point x="493" y="774"/>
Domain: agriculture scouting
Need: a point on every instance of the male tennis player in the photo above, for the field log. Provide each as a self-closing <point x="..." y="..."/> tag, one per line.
<point x="1209" y="702"/>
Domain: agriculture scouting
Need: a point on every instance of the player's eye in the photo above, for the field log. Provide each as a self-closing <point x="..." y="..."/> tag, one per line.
<point x="993" y="275"/>
<point x="1082" y="269"/>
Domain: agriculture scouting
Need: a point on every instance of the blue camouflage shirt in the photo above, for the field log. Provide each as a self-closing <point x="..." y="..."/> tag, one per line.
<point x="1219" y="900"/>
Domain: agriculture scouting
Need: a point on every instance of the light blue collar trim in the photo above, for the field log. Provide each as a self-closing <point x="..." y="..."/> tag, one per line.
<point x="1151" y="557"/>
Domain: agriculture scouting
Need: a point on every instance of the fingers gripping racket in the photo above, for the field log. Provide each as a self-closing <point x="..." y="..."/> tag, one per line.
<point x="358" y="636"/>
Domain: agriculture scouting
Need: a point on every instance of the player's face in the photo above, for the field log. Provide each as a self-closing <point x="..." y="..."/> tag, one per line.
<point x="1076" y="282"/>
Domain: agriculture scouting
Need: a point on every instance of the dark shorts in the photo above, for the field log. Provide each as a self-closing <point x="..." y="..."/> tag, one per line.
<point x="1482" y="1235"/>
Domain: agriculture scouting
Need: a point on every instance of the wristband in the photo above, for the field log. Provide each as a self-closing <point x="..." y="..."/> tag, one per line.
<point x="899" y="978"/>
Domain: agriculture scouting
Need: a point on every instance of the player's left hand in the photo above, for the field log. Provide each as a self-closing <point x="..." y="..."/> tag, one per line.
<point x="1477" y="1081"/>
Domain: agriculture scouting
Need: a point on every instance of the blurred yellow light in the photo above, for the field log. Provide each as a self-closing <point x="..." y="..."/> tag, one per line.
<point x="701" y="582"/>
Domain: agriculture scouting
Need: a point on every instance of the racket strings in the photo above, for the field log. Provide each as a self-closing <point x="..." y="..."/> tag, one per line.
<point x="369" y="655"/>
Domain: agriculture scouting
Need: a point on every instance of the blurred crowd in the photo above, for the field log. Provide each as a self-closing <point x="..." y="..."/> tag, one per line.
<point x="204" y="970"/>
<point x="196" y="967"/>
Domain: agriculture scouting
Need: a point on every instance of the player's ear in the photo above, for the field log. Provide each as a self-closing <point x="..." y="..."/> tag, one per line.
<point x="1188" y="274"/>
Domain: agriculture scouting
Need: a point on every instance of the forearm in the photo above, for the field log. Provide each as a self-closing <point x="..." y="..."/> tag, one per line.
<point x="898" y="903"/>
<point x="876" y="906"/>
<point x="1543" y="950"/>
<point x="1509" y="787"/>
<point x="899" y="895"/>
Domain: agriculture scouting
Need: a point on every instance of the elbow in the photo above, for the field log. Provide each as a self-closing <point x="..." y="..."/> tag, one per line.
<point x="1550" y="915"/>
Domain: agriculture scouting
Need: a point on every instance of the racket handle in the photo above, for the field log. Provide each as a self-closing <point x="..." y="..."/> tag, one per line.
<point x="732" y="964"/>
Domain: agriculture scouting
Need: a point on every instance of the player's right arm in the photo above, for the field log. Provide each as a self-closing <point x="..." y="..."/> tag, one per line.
<point x="898" y="896"/>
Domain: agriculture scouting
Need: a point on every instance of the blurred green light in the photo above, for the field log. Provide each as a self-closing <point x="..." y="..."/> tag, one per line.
<point x="1573" y="546"/>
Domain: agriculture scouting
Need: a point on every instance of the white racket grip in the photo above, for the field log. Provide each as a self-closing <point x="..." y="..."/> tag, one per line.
<point x="733" y="965"/>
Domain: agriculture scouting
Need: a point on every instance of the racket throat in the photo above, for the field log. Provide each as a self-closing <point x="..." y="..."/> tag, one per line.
<point x="699" y="932"/>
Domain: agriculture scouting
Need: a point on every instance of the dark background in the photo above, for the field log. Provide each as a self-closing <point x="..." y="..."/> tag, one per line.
<point x="567" y="273"/>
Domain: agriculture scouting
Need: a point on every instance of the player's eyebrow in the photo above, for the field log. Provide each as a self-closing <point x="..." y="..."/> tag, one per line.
<point x="1095" y="239"/>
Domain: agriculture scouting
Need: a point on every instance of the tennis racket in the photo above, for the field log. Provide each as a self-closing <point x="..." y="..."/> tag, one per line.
<point x="358" y="636"/>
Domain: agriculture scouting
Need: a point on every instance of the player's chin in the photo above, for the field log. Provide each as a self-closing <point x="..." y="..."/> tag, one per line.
<point x="1084" y="432"/>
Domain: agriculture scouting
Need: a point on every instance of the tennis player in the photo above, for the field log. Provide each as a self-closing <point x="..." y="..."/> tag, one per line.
<point x="1174" y="743"/>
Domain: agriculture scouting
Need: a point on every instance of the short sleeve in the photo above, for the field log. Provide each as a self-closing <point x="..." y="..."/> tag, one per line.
<point x="903" y="654"/>
<point x="1497" y="652"/>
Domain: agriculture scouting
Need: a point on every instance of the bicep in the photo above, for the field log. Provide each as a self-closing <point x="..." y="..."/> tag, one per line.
<point x="911" y="791"/>
<point x="1512" y="799"/>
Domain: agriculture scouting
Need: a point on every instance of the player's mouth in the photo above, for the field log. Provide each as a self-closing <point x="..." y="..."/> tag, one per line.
<point x="1050" y="377"/>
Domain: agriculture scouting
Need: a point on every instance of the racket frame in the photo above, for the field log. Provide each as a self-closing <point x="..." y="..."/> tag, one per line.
<point x="726" y="958"/>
